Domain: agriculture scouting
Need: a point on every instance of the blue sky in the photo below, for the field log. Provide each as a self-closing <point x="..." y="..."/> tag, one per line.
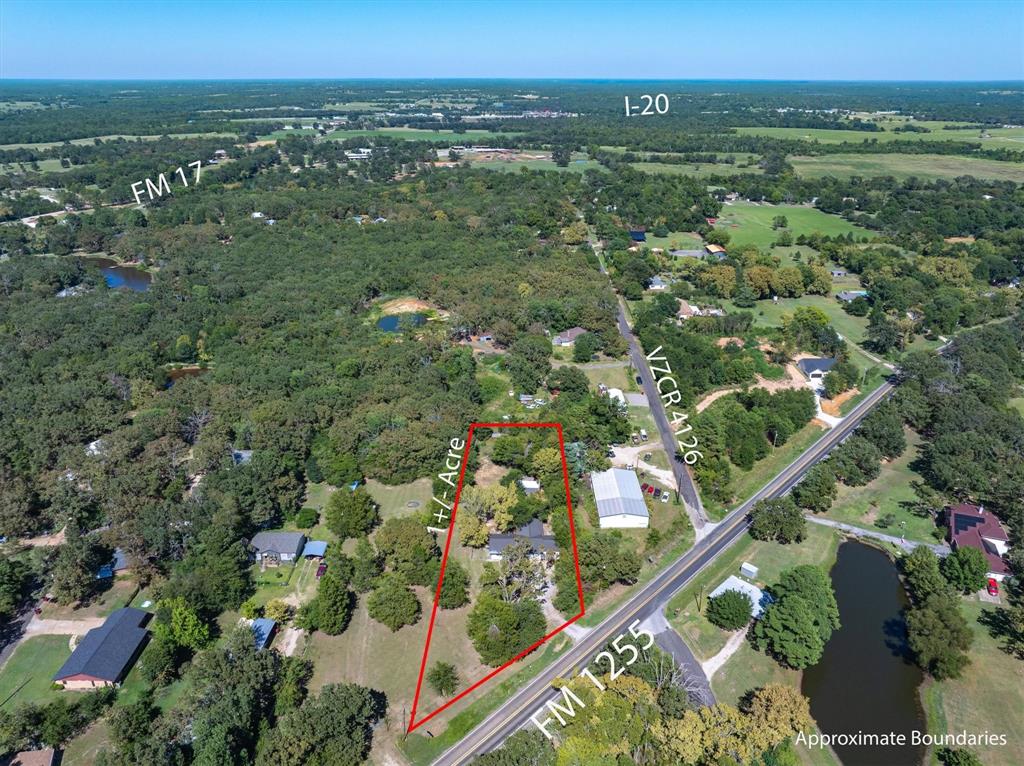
<point x="841" y="40"/>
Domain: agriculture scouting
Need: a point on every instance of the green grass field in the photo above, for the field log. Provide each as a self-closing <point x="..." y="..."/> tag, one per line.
<point x="890" y="493"/>
<point x="84" y="141"/>
<point x="702" y="170"/>
<point x="769" y="314"/>
<point x="923" y="166"/>
<point x="750" y="224"/>
<point x="989" y="696"/>
<point x="27" y="675"/>
<point x="394" y="500"/>
<point x="998" y="137"/>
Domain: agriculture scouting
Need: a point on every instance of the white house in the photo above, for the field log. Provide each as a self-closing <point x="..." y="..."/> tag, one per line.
<point x="758" y="597"/>
<point x="620" y="501"/>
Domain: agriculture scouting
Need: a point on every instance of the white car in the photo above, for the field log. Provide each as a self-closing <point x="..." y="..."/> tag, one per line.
<point x="664" y="497"/>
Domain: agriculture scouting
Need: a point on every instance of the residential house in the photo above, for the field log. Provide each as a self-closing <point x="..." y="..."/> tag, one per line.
<point x="716" y="251"/>
<point x="106" y="654"/>
<point x="533" y="533"/>
<point x="815" y="368"/>
<point x="276" y="547"/>
<point x="974" y="527"/>
<point x="615" y="394"/>
<point x="314" y="549"/>
<point x="848" y="296"/>
<point x="657" y="284"/>
<point x="620" y="501"/>
<point x="758" y="598"/>
<point x="838" y="273"/>
<point x="686" y="310"/>
<point x="638" y="235"/>
<point x="263" y="632"/>
<point x="568" y="338"/>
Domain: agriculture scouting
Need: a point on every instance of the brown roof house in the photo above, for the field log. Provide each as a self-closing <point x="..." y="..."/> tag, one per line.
<point x="973" y="526"/>
<point x="568" y="338"/>
<point x="45" y="757"/>
<point x="107" y="653"/>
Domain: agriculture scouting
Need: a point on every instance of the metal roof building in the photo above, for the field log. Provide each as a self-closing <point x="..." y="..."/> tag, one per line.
<point x="620" y="501"/>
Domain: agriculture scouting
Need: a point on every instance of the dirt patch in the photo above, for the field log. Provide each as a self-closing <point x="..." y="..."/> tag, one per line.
<point x="955" y="240"/>
<point x="793" y="379"/>
<point x="489" y="472"/>
<point x="411" y="306"/>
<point x="723" y="342"/>
<point x="833" y="406"/>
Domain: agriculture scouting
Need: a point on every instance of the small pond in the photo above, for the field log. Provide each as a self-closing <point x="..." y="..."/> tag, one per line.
<point x="394" y="322"/>
<point x="117" y="275"/>
<point x="865" y="681"/>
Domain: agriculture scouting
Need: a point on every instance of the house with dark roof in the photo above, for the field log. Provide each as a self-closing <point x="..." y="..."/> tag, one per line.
<point x="816" y="368"/>
<point x="638" y="235"/>
<point x="620" y="501"/>
<point x="972" y="526"/>
<point x="106" y="654"/>
<point x="275" y="547"/>
<point x="568" y="338"/>
<point x="263" y="632"/>
<point x="533" y="533"/>
<point x="657" y="284"/>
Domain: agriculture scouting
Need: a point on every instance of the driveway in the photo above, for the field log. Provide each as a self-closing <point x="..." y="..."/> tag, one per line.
<point x="899" y="542"/>
<point x="670" y="642"/>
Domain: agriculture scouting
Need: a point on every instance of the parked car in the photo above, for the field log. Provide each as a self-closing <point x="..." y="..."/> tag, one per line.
<point x="321" y="569"/>
<point x="993" y="588"/>
<point x="649" y="490"/>
<point x="644" y="487"/>
<point x="664" y="497"/>
<point x="610" y="453"/>
<point x="657" y="493"/>
<point x="639" y="380"/>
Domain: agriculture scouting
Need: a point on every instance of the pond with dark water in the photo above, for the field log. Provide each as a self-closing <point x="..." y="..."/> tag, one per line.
<point x="865" y="681"/>
<point x="394" y="322"/>
<point x="117" y="275"/>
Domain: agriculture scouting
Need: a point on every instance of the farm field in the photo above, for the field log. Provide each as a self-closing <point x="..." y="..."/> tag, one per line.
<point x="924" y="166"/>
<point x="998" y="137"/>
<point x="701" y="170"/>
<point x="751" y="224"/>
<point x="86" y="141"/>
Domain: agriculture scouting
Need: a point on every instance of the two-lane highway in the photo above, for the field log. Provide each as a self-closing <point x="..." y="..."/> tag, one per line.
<point x="515" y="713"/>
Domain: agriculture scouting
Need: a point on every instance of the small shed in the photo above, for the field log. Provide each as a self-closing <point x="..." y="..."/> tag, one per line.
<point x="263" y="631"/>
<point x="530" y="485"/>
<point x="748" y="570"/>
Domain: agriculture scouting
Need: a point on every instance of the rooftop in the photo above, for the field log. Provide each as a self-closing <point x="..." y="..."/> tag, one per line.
<point x="816" y="364"/>
<point x="315" y="548"/>
<point x="106" y="651"/>
<point x="758" y="597"/>
<point x="262" y="631"/>
<point x="278" y="541"/>
<point x="617" y="491"/>
<point x="532" y="532"/>
<point x="972" y="525"/>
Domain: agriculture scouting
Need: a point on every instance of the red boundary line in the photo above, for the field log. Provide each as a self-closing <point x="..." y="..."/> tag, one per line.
<point x="413" y="724"/>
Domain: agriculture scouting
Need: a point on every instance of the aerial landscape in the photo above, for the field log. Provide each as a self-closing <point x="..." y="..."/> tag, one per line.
<point x="562" y="384"/>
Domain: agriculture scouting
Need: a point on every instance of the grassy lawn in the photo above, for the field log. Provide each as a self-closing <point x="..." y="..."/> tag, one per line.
<point x="750" y="224"/>
<point x="819" y="547"/>
<point x="677" y="240"/>
<point x="119" y="594"/>
<point x="746" y="483"/>
<point x="578" y="164"/>
<point x="641" y="417"/>
<point x="83" y="749"/>
<point x="769" y="314"/>
<point x="1018" y="404"/>
<point x="923" y="166"/>
<point x="418" y="133"/>
<point x="989" y="696"/>
<point x="613" y="377"/>
<point x="394" y="500"/>
<point x="26" y="676"/>
<point x="890" y="493"/>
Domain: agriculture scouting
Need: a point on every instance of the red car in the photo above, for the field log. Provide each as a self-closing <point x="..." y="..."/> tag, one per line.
<point x="644" y="487"/>
<point x="321" y="569"/>
<point x="993" y="588"/>
<point x="650" y="490"/>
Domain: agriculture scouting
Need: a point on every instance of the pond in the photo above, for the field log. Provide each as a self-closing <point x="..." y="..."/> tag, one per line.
<point x="865" y="682"/>
<point x="394" y="322"/>
<point x="117" y="275"/>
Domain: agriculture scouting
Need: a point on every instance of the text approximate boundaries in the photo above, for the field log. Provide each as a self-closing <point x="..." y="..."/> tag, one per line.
<point x="413" y="723"/>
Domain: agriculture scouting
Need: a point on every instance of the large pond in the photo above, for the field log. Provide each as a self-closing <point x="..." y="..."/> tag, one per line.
<point x="394" y="322"/>
<point x="117" y="275"/>
<point x="865" y="681"/>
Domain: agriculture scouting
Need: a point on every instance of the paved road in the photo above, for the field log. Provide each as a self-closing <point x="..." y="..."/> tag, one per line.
<point x="669" y="641"/>
<point x="648" y="600"/>
<point x="684" y="482"/>
<point x="907" y="545"/>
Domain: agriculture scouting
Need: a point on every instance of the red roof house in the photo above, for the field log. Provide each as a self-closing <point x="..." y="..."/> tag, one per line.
<point x="973" y="526"/>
